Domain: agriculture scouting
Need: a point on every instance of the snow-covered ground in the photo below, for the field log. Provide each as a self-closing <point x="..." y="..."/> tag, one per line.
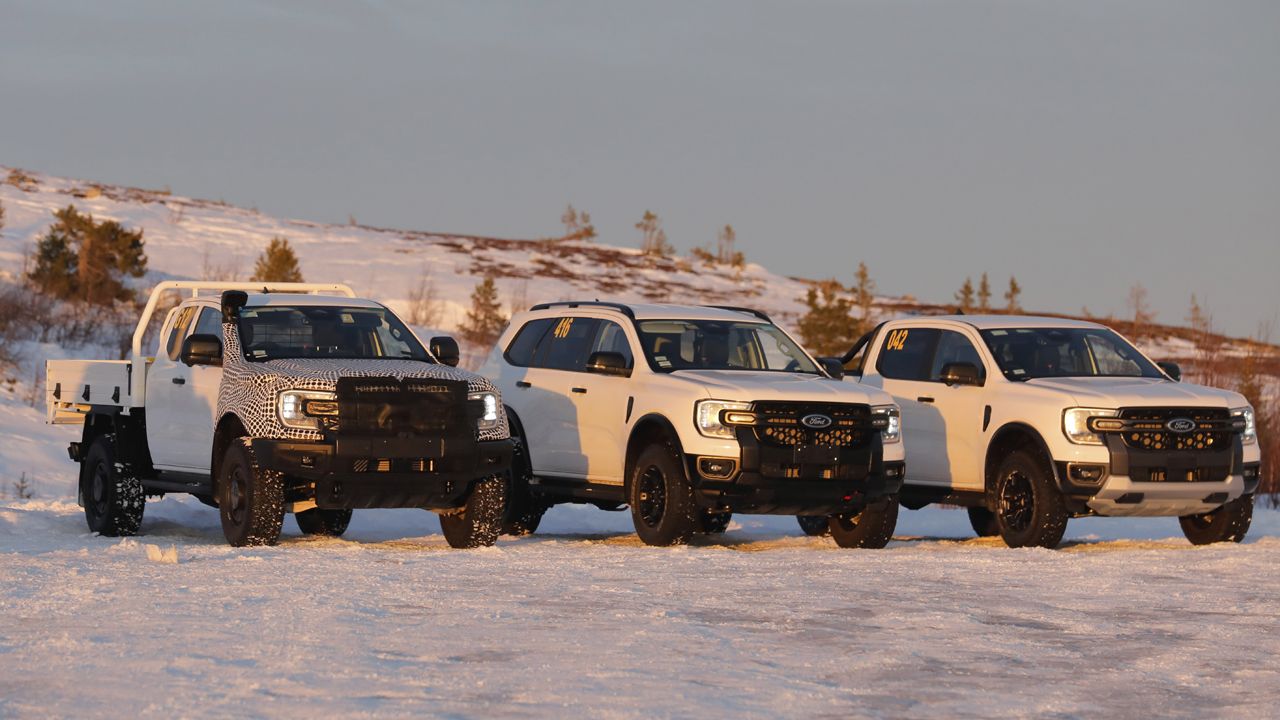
<point x="1127" y="620"/>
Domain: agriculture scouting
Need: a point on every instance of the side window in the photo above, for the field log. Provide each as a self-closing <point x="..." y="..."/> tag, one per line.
<point x="612" y="338"/>
<point x="520" y="351"/>
<point x="179" y="332"/>
<point x="906" y="353"/>
<point x="209" y="323"/>
<point x="955" y="348"/>
<point x="567" y="345"/>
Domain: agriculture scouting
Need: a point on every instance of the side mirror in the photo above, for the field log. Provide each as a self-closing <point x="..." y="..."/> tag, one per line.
<point x="608" y="363"/>
<point x="961" y="373"/>
<point x="445" y="349"/>
<point x="1172" y="370"/>
<point x="202" y="350"/>
<point x="832" y="366"/>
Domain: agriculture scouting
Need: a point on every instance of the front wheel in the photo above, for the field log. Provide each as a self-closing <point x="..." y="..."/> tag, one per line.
<point x="1030" y="511"/>
<point x="662" y="506"/>
<point x="1229" y="523"/>
<point x="871" y="528"/>
<point x="250" y="498"/>
<point x="113" y="500"/>
<point x="317" y="521"/>
<point x="479" y="522"/>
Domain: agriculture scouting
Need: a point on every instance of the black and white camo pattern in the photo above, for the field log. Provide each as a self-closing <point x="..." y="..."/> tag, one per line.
<point x="250" y="390"/>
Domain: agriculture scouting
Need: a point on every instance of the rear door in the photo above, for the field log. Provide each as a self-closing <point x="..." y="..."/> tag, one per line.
<point x="903" y="363"/>
<point x="557" y="443"/>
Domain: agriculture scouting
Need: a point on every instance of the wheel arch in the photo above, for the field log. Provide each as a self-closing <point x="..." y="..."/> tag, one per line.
<point x="648" y="430"/>
<point x="1009" y="438"/>
<point x="229" y="428"/>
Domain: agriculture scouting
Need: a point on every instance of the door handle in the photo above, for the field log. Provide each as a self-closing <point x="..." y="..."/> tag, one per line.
<point x="579" y="390"/>
<point x="523" y="384"/>
<point x="924" y="399"/>
<point x="179" y="381"/>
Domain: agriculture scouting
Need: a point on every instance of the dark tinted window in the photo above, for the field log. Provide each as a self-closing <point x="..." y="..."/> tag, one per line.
<point x="612" y="338"/>
<point x="1028" y="353"/>
<point x="567" y="344"/>
<point x="365" y="333"/>
<point x="907" y="352"/>
<point x="955" y="348"/>
<point x="520" y="351"/>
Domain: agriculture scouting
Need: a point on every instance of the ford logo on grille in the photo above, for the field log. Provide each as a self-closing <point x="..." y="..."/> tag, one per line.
<point x="815" y="421"/>
<point x="1181" y="425"/>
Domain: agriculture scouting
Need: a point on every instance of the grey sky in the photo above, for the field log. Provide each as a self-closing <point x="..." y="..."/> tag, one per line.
<point x="1082" y="146"/>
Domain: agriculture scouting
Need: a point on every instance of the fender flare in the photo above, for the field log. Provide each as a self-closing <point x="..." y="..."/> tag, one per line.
<point x="1008" y="430"/>
<point x="644" y="429"/>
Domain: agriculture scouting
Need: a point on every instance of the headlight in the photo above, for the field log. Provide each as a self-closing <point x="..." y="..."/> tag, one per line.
<point x="489" y="420"/>
<point x="1250" y="434"/>
<point x="1075" y="424"/>
<point x="302" y="408"/>
<point x="706" y="415"/>
<point x="892" y="432"/>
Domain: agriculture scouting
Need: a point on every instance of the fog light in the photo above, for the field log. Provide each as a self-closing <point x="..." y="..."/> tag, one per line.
<point x="1087" y="474"/>
<point x="1251" y="473"/>
<point x="718" y="468"/>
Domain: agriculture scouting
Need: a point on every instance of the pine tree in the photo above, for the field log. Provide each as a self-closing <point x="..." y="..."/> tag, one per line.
<point x="827" y="327"/>
<point x="984" y="294"/>
<point x="86" y="261"/>
<point x="277" y="263"/>
<point x="484" y="321"/>
<point x="725" y="252"/>
<point x="864" y="297"/>
<point x="653" y="237"/>
<point x="1011" y="296"/>
<point x="964" y="296"/>
<point x="577" y="225"/>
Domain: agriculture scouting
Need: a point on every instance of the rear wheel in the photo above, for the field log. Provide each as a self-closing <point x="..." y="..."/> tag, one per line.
<point x="871" y="528"/>
<point x="479" y="522"/>
<point x="113" y="500"/>
<point x="323" y="522"/>
<point x="250" y="498"/>
<point x="814" y="525"/>
<point x="1229" y="523"/>
<point x="661" y="500"/>
<point x="1030" y="510"/>
<point x="983" y="521"/>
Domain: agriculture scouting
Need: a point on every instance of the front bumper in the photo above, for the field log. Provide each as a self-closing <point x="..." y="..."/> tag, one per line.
<point x="774" y="480"/>
<point x="1137" y="482"/>
<point x="383" y="472"/>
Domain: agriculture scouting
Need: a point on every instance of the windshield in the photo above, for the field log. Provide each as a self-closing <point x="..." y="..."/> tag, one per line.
<point x="333" y="332"/>
<point x="719" y="345"/>
<point x="1029" y="353"/>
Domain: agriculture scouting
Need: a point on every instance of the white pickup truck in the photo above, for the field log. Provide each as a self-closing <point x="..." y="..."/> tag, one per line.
<point x="1030" y="421"/>
<point x="300" y="398"/>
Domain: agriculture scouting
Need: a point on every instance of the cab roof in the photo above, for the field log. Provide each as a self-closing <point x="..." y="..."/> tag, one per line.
<point x="298" y="299"/>
<point x="653" y="311"/>
<point x="1000" y="322"/>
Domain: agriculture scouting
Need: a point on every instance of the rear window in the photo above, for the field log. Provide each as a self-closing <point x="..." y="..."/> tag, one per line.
<point x="520" y="351"/>
<point x="907" y="353"/>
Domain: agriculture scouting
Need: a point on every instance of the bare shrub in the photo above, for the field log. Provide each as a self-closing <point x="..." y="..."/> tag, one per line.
<point x="425" y="306"/>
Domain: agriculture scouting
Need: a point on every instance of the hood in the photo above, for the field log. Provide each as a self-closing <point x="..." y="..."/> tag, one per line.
<point x="1117" y="392"/>
<point x="749" y="385"/>
<point x="328" y="371"/>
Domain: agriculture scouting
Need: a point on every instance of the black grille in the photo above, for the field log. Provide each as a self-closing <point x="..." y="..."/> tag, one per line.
<point x="779" y="425"/>
<point x="1145" y="429"/>
<point x="386" y="406"/>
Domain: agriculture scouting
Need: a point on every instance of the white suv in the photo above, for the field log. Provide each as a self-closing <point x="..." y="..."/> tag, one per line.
<point x="1029" y="421"/>
<point x="688" y="414"/>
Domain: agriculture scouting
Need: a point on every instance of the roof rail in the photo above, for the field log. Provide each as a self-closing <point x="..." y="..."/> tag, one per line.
<point x="750" y="311"/>
<point x="620" y="307"/>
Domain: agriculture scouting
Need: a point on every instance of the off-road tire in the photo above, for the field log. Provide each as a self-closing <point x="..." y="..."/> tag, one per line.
<point x="113" y="500"/>
<point x="661" y="500"/>
<point x="872" y="528"/>
<point x="479" y="522"/>
<point x="250" y="498"/>
<point x="524" y="511"/>
<point x="319" y="521"/>
<point x="1229" y="523"/>
<point x="1030" y="510"/>
<point x="713" y="523"/>
<point x="983" y="521"/>
<point x="814" y="525"/>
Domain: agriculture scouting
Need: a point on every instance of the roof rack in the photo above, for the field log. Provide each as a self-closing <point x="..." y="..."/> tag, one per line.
<point x="749" y="311"/>
<point x="624" y="309"/>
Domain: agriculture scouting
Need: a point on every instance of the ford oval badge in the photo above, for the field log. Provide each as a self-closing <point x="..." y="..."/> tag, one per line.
<point x="1181" y="425"/>
<point x="816" y="421"/>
